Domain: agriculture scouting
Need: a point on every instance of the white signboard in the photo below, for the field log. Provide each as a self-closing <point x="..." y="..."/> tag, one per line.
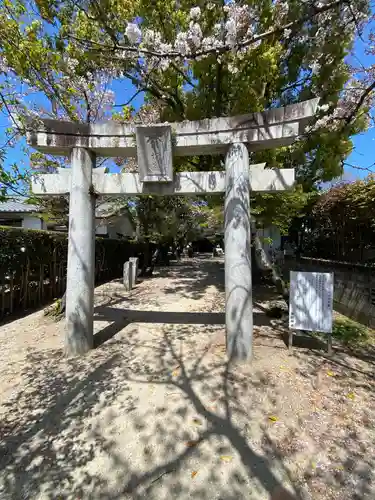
<point x="310" y="303"/>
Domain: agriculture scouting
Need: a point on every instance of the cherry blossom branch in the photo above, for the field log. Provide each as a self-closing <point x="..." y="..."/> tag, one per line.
<point x="184" y="75"/>
<point x="359" y="32"/>
<point x="360" y="103"/>
<point x="8" y="141"/>
<point x="12" y="187"/>
<point x="174" y="54"/>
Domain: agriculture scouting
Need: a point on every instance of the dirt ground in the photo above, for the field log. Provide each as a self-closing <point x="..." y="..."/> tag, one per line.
<point x="156" y="411"/>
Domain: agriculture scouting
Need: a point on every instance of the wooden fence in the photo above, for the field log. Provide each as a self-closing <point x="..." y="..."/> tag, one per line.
<point x="29" y="288"/>
<point x="33" y="267"/>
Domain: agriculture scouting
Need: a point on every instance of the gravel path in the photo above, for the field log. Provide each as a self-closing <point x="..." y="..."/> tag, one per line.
<point x="156" y="411"/>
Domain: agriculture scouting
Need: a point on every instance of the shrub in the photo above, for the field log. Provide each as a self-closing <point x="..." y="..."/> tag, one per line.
<point x="349" y="332"/>
<point x="341" y="224"/>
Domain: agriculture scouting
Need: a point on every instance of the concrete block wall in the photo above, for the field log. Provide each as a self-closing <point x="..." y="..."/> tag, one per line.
<point x="354" y="286"/>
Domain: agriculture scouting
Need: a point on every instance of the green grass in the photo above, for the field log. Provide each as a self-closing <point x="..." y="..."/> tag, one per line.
<point x="350" y="332"/>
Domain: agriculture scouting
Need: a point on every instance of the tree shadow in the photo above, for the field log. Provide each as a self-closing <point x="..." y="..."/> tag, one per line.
<point x="121" y="318"/>
<point x="59" y="426"/>
<point x="41" y="432"/>
<point x="216" y="424"/>
<point x="190" y="279"/>
<point x="161" y="413"/>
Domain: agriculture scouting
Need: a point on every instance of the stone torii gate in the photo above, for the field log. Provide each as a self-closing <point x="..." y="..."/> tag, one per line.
<point x="154" y="147"/>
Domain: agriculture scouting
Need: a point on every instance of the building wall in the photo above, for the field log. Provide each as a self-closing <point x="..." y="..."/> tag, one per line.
<point x="113" y="227"/>
<point x="32" y="222"/>
<point x="26" y="221"/>
<point x="273" y="233"/>
<point x="101" y="228"/>
<point x="10" y="219"/>
<point x="120" y="225"/>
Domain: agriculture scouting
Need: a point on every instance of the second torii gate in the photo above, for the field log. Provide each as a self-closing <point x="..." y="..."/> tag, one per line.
<point x="154" y="147"/>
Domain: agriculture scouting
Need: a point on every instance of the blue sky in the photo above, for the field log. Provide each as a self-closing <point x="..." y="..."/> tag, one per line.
<point x="364" y="144"/>
<point x="123" y="89"/>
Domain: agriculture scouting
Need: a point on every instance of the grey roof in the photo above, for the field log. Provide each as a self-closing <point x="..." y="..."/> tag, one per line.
<point x="108" y="209"/>
<point x="18" y="206"/>
<point x="103" y="209"/>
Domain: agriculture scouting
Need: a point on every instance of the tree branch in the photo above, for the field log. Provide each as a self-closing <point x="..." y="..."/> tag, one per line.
<point x="11" y="186"/>
<point x="130" y="100"/>
<point x="359" y="33"/>
<point x="88" y="106"/>
<point x="294" y="85"/>
<point x="357" y="167"/>
<point x="360" y="102"/>
<point x="217" y="50"/>
<point x="3" y="100"/>
<point x="184" y="76"/>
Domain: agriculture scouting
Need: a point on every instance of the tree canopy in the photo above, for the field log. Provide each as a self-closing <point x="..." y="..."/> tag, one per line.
<point x="192" y="60"/>
<point x="340" y="225"/>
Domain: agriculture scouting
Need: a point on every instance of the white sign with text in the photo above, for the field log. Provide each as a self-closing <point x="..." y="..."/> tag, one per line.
<point x="311" y="301"/>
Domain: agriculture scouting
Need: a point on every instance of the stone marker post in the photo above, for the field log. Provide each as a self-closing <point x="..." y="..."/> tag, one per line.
<point x="134" y="261"/>
<point x="237" y="235"/>
<point x="128" y="275"/>
<point x="81" y="255"/>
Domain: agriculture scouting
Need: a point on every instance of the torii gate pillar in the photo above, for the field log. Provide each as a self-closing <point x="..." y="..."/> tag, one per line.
<point x="81" y="255"/>
<point x="237" y="238"/>
<point x="270" y="129"/>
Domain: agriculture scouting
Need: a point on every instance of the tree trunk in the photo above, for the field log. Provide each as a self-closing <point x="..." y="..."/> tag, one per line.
<point x="265" y="264"/>
<point x="145" y="222"/>
<point x="63" y="303"/>
<point x="147" y="266"/>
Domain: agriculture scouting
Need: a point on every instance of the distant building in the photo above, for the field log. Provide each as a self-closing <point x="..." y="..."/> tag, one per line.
<point x="271" y="238"/>
<point x="17" y="213"/>
<point x="110" y="222"/>
<point x="113" y="222"/>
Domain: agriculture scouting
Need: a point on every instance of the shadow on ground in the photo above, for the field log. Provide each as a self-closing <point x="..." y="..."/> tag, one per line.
<point x="121" y="318"/>
<point x="191" y="280"/>
<point x="55" y="430"/>
<point x="159" y="412"/>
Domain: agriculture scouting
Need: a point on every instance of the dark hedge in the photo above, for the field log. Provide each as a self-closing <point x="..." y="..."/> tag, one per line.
<point x="33" y="265"/>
